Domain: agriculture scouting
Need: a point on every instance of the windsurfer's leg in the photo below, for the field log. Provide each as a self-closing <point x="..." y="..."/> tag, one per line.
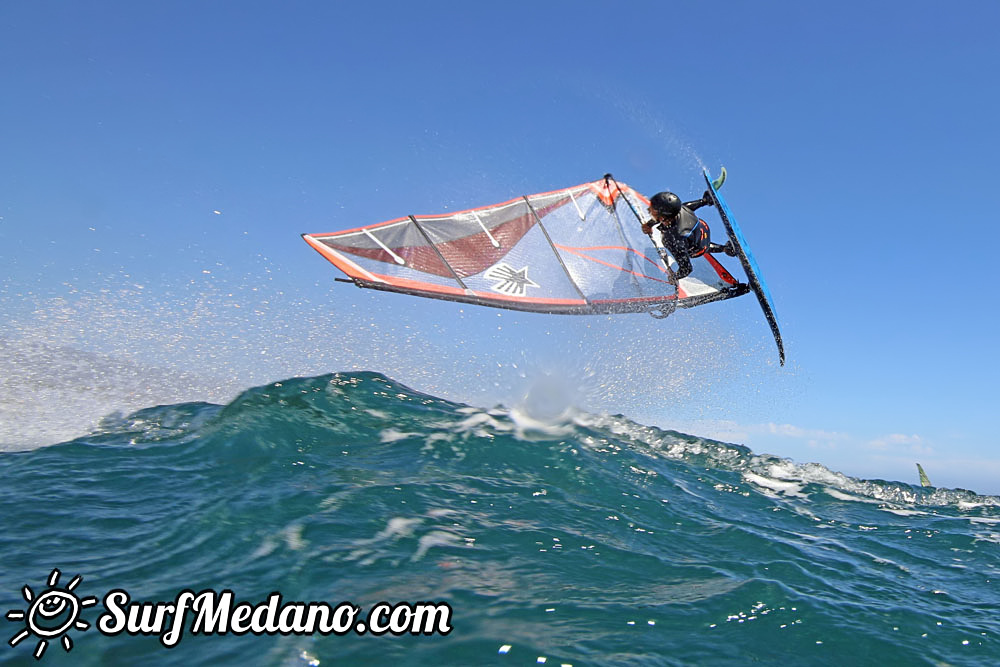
<point x="683" y="265"/>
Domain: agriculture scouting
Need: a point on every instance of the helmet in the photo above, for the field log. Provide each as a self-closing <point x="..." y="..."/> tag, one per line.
<point x="666" y="203"/>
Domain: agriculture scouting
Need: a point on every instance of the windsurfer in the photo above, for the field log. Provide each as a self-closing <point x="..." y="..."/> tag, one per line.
<point x="683" y="233"/>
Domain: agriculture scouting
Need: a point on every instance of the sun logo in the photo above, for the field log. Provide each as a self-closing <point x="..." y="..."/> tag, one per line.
<point x="51" y="615"/>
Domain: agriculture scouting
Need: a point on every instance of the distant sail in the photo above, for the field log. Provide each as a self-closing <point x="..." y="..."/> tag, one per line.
<point x="579" y="250"/>
<point x="924" y="481"/>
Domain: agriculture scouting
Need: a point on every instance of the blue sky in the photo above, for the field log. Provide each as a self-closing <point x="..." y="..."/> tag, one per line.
<point x="161" y="160"/>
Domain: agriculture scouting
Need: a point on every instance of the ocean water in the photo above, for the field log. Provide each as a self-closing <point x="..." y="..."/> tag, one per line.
<point x="555" y="538"/>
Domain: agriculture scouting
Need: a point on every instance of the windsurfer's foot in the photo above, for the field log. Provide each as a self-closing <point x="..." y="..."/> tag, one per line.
<point x="729" y="248"/>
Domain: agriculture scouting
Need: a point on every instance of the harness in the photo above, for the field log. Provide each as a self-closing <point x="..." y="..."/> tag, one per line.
<point x="691" y="230"/>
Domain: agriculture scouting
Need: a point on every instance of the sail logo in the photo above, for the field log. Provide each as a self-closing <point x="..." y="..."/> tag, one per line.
<point x="510" y="281"/>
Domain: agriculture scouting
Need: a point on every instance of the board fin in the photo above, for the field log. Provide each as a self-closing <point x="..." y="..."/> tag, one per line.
<point x="717" y="183"/>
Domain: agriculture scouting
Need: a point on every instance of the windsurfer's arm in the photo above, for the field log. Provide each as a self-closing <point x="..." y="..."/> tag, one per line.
<point x="706" y="200"/>
<point x="678" y="250"/>
<point x="683" y="265"/>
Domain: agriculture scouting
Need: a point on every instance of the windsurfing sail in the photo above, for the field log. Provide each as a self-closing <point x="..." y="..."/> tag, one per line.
<point x="924" y="481"/>
<point x="578" y="250"/>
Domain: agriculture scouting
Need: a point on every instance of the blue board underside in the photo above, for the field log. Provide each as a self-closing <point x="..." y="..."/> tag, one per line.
<point x="757" y="283"/>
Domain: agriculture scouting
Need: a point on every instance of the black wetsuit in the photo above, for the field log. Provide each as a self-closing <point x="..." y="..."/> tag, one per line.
<point x="686" y="236"/>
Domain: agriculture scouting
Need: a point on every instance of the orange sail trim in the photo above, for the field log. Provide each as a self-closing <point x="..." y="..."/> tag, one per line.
<point x="419" y="286"/>
<point x="338" y="260"/>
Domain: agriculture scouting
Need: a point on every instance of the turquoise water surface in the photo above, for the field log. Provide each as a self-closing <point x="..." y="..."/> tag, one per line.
<point x="588" y="540"/>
